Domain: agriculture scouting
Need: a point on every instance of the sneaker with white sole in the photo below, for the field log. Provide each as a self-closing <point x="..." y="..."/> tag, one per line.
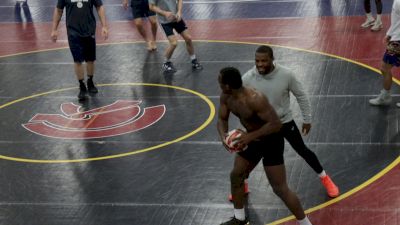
<point x="368" y="22"/>
<point x="168" y="67"/>
<point x="377" y="26"/>
<point x="381" y="99"/>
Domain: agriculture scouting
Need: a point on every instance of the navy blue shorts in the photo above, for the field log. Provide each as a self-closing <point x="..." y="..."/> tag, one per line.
<point x="392" y="53"/>
<point x="270" y="149"/>
<point x="170" y="27"/>
<point x="140" y="9"/>
<point x="82" y="48"/>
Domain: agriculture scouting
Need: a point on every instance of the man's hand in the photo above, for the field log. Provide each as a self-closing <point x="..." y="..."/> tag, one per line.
<point x="125" y="4"/>
<point x="306" y="128"/>
<point x="386" y="40"/>
<point x="54" y="35"/>
<point x="170" y="16"/>
<point x="104" y="33"/>
<point x="178" y="16"/>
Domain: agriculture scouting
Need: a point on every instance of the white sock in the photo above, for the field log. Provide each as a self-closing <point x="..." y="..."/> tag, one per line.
<point x="379" y="17"/>
<point x="304" y="221"/>
<point x="192" y="57"/>
<point x="167" y="60"/>
<point x="385" y="92"/>
<point x="322" y="174"/>
<point x="239" y="214"/>
<point x="369" y="16"/>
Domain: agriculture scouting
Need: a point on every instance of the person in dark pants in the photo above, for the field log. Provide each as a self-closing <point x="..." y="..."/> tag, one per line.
<point x="370" y="21"/>
<point x="264" y="141"/>
<point x="81" y="29"/>
<point x="140" y="11"/>
<point x="277" y="82"/>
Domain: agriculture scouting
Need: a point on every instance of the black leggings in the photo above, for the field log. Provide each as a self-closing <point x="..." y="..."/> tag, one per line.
<point x="292" y="134"/>
<point x="367" y="6"/>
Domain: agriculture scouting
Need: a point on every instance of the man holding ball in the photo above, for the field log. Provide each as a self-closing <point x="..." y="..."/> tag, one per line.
<point x="263" y="139"/>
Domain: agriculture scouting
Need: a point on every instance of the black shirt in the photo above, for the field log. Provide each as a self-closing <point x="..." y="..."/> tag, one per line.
<point x="79" y="16"/>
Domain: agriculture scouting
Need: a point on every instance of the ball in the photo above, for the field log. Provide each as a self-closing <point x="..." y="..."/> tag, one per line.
<point x="231" y="141"/>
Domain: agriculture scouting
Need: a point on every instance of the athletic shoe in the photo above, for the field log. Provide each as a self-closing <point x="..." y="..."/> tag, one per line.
<point x="168" y="67"/>
<point x="381" y="99"/>
<point x="246" y="191"/>
<point x="196" y="65"/>
<point x="331" y="188"/>
<point x="377" y="26"/>
<point x="90" y="85"/>
<point x="398" y="104"/>
<point x="368" y="22"/>
<point x="82" y="92"/>
<point x="234" y="221"/>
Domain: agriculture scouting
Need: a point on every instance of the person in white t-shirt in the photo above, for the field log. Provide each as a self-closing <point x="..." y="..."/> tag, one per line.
<point x="391" y="57"/>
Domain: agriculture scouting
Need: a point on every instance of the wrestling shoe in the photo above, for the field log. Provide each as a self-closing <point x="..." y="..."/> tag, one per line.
<point x="331" y="188"/>
<point x="234" y="221"/>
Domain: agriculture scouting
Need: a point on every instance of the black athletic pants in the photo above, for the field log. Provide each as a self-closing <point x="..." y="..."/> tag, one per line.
<point x="292" y="134"/>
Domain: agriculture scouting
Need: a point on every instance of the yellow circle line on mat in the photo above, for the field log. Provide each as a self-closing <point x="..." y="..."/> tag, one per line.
<point x="201" y="127"/>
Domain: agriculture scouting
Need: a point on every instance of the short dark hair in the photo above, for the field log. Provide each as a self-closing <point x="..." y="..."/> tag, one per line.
<point x="231" y="76"/>
<point x="266" y="50"/>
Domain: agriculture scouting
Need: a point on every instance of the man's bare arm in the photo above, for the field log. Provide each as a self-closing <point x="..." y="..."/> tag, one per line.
<point x="223" y="117"/>
<point x="102" y="16"/>
<point x="56" y="21"/>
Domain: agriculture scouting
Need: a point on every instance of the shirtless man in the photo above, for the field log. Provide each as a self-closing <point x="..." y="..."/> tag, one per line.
<point x="263" y="139"/>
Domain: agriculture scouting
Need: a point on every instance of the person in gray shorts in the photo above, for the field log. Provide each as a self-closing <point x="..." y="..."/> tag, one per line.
<point x="140" y="11"/>
<point x="169" y="15"/>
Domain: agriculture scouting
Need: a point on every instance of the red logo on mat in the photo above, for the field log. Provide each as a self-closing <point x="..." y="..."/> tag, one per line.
<point x="120" y="117"/>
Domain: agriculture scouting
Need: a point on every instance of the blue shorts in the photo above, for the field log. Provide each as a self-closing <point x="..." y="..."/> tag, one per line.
<point x="392" y="53"/>
<point x="82" y="48"/>
<point x="270" y="149"/>
<point x="140" y="9"/>
<point x="170" y="27"/>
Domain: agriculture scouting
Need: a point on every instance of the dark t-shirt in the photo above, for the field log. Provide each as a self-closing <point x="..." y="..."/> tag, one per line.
<point x="79" y="16"/>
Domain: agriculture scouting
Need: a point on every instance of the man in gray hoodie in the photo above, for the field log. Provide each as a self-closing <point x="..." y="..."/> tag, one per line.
<point x="276" y="82"/>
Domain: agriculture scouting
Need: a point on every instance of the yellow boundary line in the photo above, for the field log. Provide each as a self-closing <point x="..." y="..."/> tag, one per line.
<point x="310" y="210"/>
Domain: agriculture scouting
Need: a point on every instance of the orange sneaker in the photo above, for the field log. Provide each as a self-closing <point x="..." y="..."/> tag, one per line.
<point x="246" y="191"/>
<point x="331" y="188"/>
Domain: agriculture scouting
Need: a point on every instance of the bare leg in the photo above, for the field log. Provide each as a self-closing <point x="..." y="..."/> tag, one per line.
<point x="90" y="68"/>
<point x="188" y="40"/>
<point x="142" y="32"/>
<point x="154" y="27"/>
<point x="238" y="175"/>
<point x="173" y="42"/>
<point x="386" y="70"/>
<point x="277" y="178"/>
<point x="80" y="74"/>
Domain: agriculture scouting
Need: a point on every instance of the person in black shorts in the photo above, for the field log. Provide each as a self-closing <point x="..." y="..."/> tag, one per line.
<point x="81" y="29"/>
<point x="263" y="139"/>
<point x="170" y="17"/>
<point x="140" y="10"/>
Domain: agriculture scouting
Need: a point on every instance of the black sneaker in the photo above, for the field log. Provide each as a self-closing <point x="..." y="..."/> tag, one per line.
<point x="168" y="67"/>
<point x="90" y="85"/>
<point x="82" y="92"/>
<point x="196" y="65"/>
<point x="234" y="221"/>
